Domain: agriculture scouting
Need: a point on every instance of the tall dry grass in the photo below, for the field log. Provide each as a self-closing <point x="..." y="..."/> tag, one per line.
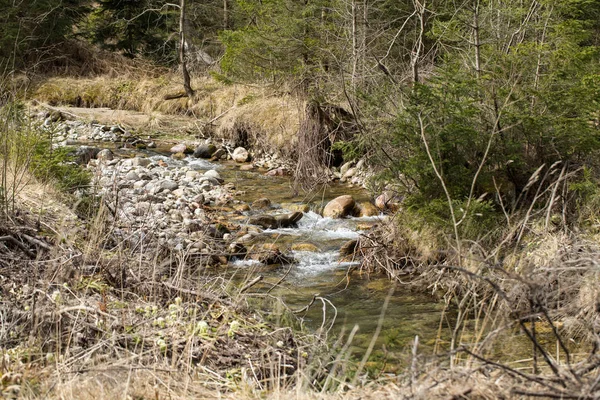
<point x="244" y="115"/>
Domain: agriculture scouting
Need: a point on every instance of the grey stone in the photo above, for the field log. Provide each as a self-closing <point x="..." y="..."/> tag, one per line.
<point x="240" y="155"/>
<point x="205" y="150"/>
<point x="169" y="185"/>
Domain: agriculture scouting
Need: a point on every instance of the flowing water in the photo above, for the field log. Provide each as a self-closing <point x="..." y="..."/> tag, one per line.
<point x="340" y="300"/>
<point x="343" y="299"/>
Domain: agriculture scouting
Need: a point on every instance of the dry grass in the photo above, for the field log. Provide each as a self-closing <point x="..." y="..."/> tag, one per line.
<point x="253" y="116"/>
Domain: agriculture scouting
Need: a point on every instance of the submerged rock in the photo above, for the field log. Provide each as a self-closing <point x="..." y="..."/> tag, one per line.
<point x="269" y="254"/>
<point x="339" y="207"/>
<point x="367" y="209"/>
<point x="261" y="203"/>
<point x="305" y="247"/>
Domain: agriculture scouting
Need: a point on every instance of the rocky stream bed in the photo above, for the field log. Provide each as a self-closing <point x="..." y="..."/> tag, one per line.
<point x="226" y="211"/>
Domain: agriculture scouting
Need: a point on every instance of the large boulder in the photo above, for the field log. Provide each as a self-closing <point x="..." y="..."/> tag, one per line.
<point x="240" y="155"/>
<point x="340" y="207"/>
<point x="206" y="150"/>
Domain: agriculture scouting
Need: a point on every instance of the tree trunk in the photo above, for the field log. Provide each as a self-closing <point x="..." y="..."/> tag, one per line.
<point x="418" y="47"/>
<point x="186" y="75"/>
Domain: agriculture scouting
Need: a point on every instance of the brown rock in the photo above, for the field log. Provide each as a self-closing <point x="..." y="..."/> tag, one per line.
<point x="285" y="221"/>
<point x="242" y="207"/>
<point x="246" y="167"/>
<point x="348" y="248"/>
<point x="268" y="254"/>
<point x="367" y="209"/>
<point x="339" y="207"/>
<point x="264" y="221"/>
<point x="278" y="172"/>
<point x="305" y="247"/>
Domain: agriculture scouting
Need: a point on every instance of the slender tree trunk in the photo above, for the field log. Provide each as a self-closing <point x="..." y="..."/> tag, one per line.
<point x="182" y="36"/>
<point x="225" y="15"/>
<point x="354" y="12"/>
<point x="477" y="40"/>
<point x="418" y="47"/>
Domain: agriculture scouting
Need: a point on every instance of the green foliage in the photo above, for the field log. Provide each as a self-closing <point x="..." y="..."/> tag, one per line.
<point x="479" y="222"/>
<point x="532" y="103"/>
<point x="58" y="166"/>
<point x="351" y="149"/>
<point x="280" y="40"/>
<point x="32" y="32"/>
<point x="135" y="28"/>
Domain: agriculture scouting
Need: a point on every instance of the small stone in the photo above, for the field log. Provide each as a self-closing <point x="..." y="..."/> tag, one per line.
<point x="140" y="162"/>
<point x="246" y="167"/>
<point x="211" y="173"/>
<point x="219" y="154"/>
<point x="349" y="173"/>
<point x="344" y="168"/>
<point x="168" y="185"/>
<point x="192" y="174"/>
<point x="132" y="176"/>
<point x="105" y="155"/>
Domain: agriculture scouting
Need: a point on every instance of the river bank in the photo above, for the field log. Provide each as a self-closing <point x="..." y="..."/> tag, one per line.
<point x="187" y="258"/>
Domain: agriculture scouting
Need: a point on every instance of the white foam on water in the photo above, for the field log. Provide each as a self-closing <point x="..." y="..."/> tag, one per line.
<point x="246" y="263"/>
<point x="315" y="227"/>
<point x="312" y="263"/>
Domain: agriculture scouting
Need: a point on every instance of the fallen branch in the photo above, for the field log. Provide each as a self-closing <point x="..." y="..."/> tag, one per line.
<point x="20" y="245"/>
<point x="35" y="241"/>
<point x="179" y="95"/>
<point x="251" y="283"/>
